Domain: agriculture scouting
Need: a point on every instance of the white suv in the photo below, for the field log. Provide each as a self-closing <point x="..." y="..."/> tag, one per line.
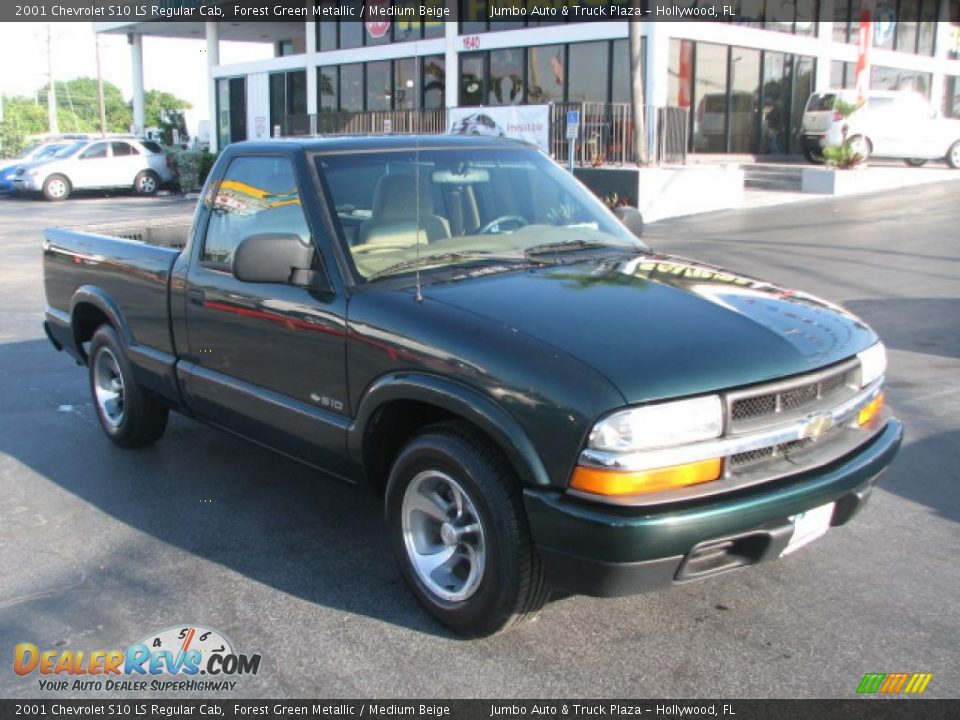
<point x="97" y="164"/>
<point x="891" y="124"/>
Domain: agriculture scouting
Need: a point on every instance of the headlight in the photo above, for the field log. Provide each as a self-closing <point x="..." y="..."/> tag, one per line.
<point x="873" y="363"/>
<point x="654" y="426"/>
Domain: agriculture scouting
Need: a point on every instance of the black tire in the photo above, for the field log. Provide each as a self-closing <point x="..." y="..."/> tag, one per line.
<point x="867" y="145"/>
<point x="147" y="182"/>
<point x="511" y="586"/>
<point x="57" y="187"/>
<point x="915" y="162"/>
<point x="139" y="419"/>
<point x="814" y="157"/>
<point x="953" y="156"/>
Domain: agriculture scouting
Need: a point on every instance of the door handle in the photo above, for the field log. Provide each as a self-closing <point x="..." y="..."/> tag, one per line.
<point x="196" y="297"/>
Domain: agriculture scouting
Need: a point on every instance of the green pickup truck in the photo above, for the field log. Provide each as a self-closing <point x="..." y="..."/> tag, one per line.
<point x="542" y="401"/>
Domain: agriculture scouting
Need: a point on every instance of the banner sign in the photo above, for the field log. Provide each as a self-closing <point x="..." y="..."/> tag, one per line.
<point x="523" y="122"/>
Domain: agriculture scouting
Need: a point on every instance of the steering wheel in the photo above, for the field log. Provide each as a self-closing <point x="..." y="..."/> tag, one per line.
<point x="518" y="220"/>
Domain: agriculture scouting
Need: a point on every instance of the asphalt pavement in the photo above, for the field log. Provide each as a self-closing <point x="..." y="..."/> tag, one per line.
<point x="100" y="547"/>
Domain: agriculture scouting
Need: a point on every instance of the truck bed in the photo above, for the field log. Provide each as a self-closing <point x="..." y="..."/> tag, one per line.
<point x="128" y="262"/>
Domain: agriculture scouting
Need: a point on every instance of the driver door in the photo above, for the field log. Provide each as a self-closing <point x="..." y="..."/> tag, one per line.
<point x="92" y="166"/>
<point x="265" y="360"/>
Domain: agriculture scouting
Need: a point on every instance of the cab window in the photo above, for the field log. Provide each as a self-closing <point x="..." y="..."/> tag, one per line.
<point x="257" y="195"/>
<point x="122" y="149"/>
<point x="94" y="152"/>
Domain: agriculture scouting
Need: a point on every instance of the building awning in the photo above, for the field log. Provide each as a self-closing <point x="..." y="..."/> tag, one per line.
<point x="229" y="31"/>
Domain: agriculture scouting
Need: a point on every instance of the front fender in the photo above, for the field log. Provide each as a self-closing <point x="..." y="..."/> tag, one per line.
<point x="456" y="398"/>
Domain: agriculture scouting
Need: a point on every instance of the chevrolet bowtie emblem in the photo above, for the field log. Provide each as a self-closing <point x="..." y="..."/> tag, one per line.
<point x="817" y="426"/>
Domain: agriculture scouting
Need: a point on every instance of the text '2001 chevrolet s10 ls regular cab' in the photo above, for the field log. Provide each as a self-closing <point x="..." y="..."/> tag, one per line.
<point x="542" y="401"/>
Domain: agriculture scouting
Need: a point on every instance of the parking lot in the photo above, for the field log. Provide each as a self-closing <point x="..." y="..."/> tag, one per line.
<point x="99" y="546"/>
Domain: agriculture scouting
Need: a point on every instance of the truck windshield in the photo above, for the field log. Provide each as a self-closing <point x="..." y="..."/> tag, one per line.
<point x="399" y="210"/>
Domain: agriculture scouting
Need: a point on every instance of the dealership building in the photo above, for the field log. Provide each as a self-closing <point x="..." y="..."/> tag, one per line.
<point x="744" y="82"/>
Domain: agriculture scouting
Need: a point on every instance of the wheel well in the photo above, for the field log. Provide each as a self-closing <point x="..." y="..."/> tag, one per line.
<point x="392" y="426"/>
<point x="86" y="319"/>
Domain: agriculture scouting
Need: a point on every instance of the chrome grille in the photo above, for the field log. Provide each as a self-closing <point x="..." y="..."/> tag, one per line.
<point x="784" y="449"/>
<point x="772" y="404"/>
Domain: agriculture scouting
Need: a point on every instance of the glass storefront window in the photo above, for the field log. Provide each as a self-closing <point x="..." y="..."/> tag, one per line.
<point x="473" y="16"/>
<point x="888" y="78"/>
<point x="545" y="74"/>
<point x="907" y="25"/>
<point x="927" y="30"/>
<point x="405" y="88"/>
<point x="776" y="101"/>
<point x="351" y="33"/>
<point x="744" y="98"/>
<point x="379" y="87"/>
<point x="588" y="71"/>
<point x="843" y="21"/>
<point x="231" y="110"/>
<point x="884" y="24"/>
<point x="951" y="96"/>
<point x="351" y="87"/>
<point x="710" y="97"/>
<point x="506" y="77"/>
<point x="620" y="85"/>
<point x="473" y="78"/>
<point x="434" y="81"/>
<point x="328" y="89"/>
<point x="804" y="78"/>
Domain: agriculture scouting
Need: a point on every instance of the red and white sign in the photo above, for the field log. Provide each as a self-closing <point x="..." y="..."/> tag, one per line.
<point x="377" y="8"/>
<point x="865" y="39"/>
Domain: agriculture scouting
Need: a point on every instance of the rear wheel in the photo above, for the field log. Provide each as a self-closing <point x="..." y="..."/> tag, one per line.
<point x="915" y="162"/>
<point x="953" y="155"/>
<point x="814" y="156"/>
<point x="146" y="183"/>
<point x="459" y="531"/>
<point x="861" y="146"/>
<point x="129" y="416"/>
<point x="56" y="187"/>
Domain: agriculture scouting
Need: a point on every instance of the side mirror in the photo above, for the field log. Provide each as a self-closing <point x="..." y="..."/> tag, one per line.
<point x="277" y="258"/>
<point x="631" y="218"/>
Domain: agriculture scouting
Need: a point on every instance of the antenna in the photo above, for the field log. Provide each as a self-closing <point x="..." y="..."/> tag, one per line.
<point x="416" y="162"/>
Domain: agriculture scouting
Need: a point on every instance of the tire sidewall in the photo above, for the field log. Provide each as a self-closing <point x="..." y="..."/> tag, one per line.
<point x="140" y="176"/>
<point x="950" y="153"/>
<point x="496" y="597"/>
<point x="56" y="198"/>
<point x="106" y="337"/>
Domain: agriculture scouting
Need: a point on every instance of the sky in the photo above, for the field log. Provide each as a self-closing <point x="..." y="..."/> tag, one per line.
<point x="169" y="64"/>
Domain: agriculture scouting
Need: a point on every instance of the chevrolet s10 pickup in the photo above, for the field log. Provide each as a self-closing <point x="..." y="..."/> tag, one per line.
<point x="542" y="401"/>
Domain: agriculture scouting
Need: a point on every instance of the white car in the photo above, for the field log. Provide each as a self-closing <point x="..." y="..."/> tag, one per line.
<point x="97" y="164"/>
<point x="891" y="124"/>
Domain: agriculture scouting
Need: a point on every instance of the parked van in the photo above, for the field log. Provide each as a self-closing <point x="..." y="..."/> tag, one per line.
<point x="891" y="124"/>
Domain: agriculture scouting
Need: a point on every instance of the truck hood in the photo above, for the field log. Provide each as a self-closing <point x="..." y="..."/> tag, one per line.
<point x="658" y="326"/>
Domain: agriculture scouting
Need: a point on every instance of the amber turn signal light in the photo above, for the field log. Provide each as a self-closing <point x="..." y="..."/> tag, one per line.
<point x="615" y="482"/>
<point x="870" y="411"/>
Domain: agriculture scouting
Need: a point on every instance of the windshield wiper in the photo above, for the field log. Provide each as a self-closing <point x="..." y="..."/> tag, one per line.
<point x="443" y="258"/>
<point x="571" y="245"/>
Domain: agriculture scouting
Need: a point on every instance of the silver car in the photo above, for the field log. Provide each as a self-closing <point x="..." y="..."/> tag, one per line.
<point x="891" y="124"/>
<point x="104" y="163"/>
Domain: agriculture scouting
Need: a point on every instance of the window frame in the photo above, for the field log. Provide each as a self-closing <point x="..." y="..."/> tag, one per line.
<point x="210" y="197"/>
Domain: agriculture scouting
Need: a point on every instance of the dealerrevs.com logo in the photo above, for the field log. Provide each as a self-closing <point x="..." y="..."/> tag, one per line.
<point x="170" y="660"/>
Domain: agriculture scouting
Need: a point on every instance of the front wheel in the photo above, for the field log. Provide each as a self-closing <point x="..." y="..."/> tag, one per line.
<point x="814" y="156"/>
<point x="147" y="183"/>
<point x="953" y="156"/>
<point x="130" y="417"/>
<point x="459" y="532"/>
<point x="56" y="187"/>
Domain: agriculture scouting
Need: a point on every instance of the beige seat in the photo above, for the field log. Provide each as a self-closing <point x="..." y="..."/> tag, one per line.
<point x="394" y="219"/>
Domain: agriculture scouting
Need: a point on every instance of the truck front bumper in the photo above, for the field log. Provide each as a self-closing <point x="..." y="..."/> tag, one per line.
<point x="601" y="550"/>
